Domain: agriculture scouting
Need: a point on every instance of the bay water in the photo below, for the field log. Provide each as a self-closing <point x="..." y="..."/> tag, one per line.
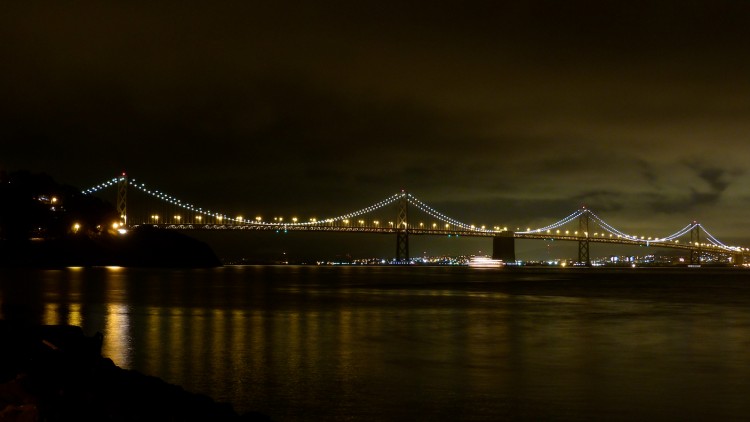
<point x="419" y="343"/>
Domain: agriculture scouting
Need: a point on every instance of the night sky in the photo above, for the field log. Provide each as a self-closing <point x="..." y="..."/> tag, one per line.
<point x="511" y="113"/>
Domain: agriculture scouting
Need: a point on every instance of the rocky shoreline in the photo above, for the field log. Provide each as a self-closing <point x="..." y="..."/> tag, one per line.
<point x="56" y="373"/>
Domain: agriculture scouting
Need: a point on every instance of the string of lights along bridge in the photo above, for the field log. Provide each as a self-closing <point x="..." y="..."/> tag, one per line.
<point x="403" y="214"/>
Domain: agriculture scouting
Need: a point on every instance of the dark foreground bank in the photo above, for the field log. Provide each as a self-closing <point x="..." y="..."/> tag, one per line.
<point x="56" y="373"/>
<point x="142" y="247"/>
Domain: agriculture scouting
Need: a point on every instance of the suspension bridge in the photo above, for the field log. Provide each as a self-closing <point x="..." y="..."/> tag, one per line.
<point x="403" y="214"/>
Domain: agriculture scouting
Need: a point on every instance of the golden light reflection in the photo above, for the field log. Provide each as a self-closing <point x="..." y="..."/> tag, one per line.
<point x="312" y="336"/>
<point x="117" y="336"/>
<point x="200" y="325"/>
<point x="51" y="314"/>
<point x="291" y="331"/>
<point x="153" y="339"/>
<point x="218" y="328"/>
<point x="175" y="336"/>
<point x="239" y="340"/>
<point x="345" y="342"/>
<point x="257" y="343"/>
<point x="74" y="314"/>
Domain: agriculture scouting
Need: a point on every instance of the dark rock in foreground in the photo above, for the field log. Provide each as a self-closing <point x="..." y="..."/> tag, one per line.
<point x="56" y="373"/>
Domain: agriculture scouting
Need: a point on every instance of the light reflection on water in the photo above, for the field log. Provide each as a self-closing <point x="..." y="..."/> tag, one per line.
<point x="314" y="343"/>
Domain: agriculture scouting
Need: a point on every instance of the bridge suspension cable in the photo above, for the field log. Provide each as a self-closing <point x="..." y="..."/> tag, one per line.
<point x="716" y="241"/>
<point x="609" y="228"/>
<point x="555" y="225"/>
<point x="100" y="186"/>
<point x="683" y="231"/>
<point x="154" y="193"/>
<point x="436" y="214"/>
<point x="614" y="231"/>
<point x="391" y="199"/>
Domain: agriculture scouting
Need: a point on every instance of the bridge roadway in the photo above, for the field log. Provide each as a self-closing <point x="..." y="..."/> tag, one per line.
<point x="353" y="228"/>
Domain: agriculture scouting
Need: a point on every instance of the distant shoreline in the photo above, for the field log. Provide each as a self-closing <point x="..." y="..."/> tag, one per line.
<point x="510" y="267"/>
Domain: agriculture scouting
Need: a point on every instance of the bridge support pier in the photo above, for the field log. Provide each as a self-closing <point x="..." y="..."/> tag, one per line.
<point x="738" y="259"/>
<point x="402" y="229"/>
<point x="504" y="247"/>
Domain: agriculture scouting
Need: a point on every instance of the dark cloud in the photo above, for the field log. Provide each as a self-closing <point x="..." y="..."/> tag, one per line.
<point x="706" y="190"/>
<point x="715" y="177"/>
<point x="648" y="172"/>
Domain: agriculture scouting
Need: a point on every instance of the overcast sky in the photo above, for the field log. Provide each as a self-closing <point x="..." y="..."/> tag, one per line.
<point x="513" y="113"/>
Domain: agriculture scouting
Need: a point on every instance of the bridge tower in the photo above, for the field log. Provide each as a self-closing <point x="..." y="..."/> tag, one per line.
<point x="122" y="198"/>
<point x="402" y="229"/>
<point x="583" y="244"/>
<point x="695" y="239"/>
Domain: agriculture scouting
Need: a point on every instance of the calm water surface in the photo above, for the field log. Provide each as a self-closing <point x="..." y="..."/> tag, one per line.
<point x="426" y="343"/>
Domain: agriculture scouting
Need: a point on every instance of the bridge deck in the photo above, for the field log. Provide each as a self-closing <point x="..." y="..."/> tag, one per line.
<point x="441" y="232"/>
